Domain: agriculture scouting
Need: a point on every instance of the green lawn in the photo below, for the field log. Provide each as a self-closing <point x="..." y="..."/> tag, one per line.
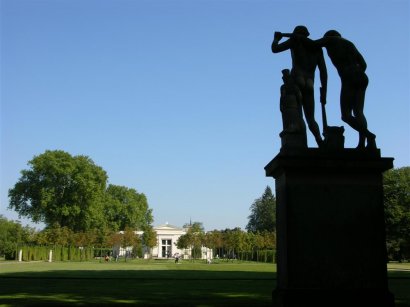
<point x="152" y="283"/>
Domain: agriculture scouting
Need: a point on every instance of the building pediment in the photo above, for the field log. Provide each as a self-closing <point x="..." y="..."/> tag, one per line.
<point x="168" y="227"/>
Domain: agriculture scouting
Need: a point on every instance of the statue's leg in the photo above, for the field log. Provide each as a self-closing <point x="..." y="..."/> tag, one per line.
<point x="361" y="119"/>
<point x="348" y="104"/>
<point x="309" y="110"/>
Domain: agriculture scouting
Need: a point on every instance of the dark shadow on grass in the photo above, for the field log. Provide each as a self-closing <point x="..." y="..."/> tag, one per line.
<point x="154" y="288"/>
<point x="143" y="288"/>
<point x="144" y="274"/>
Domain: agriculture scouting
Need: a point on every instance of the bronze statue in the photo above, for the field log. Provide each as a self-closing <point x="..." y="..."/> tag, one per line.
<point x="351" y="67"/>
<point x="305" y="59"/>
<point x="293" y="135"/>
<point x="291" y="105"/>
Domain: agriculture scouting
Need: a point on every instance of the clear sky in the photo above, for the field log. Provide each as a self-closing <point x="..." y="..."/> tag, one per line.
<point x="180" y="99"/>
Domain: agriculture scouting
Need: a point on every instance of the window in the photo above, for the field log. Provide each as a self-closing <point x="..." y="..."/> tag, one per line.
<point x="166" y="248"/>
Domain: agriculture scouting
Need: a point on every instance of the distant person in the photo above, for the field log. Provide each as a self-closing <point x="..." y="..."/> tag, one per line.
<point x="305" y="59"/>
<point x="351" y="67"/>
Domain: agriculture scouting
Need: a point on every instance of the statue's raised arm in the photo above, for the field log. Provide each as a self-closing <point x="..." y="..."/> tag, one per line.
<point x="306" y="57"/>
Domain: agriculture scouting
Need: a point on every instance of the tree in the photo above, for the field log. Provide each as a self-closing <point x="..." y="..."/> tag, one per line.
<point x="193" y="239"/>
<point x="396" y="186"/>
<point x="11" y="234"/>
<point x="57" y="235"/>
<point x="130" y="239"/>
<point x="195" y="227"/>
<point x="263" y="213"/>
<point x="149" y="238"/>
<point x="214" y="240"/>
<point x="61" y="189"/>
<point x="125" y="207"/>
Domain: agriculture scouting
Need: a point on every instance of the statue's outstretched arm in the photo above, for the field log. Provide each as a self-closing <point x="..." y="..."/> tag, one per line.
<point x="276" y="47"/>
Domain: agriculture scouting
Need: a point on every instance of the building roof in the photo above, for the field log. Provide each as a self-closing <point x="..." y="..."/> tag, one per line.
<point x="168" y="227"/>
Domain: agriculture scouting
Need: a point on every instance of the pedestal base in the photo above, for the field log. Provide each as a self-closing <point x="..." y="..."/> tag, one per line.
<point x="332" y="298"/>
<point x="330" y="228"/>
<point x="294" y="140"/>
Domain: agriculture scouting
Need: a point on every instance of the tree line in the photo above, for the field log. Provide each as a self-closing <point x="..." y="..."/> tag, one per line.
<point x="226" y="244"/>
<point x="14" y="236"/>
<point x="396" y="184"/>
<point x="396" y="187"/>
<point x="229" y="243"/>
<point x="71" y="195"/>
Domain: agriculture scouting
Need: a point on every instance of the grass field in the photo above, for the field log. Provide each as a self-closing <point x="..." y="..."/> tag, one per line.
<point x="152" y="282"/>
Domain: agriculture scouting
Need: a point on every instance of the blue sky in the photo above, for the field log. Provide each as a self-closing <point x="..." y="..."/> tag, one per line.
<point x="180" y="99"/>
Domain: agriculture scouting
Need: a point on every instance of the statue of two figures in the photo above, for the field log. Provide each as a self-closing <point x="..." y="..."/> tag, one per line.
<point x="297" y="91"/>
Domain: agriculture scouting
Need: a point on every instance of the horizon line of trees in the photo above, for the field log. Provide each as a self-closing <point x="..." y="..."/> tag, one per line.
<point x="14" y="236"/>
<point x="71" y="195"/>
<point x="229" y="243"/>
<point x="396" y="193"/>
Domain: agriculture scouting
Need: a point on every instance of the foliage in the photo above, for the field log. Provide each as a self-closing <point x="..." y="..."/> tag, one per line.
<point x="70" y="193"/>
<point x="238" y="244"/>
<point x="59" y="253"/>
<point x="126" y="207"/>
<point x="214" y="239"/>
<point x="57" y="235"/>
<point x="193" y="239"/>
<point x="60" y="189"/>
<point x="129" y="238"/>
<point x="263" y="213"/>
<point x="397" y="212"/>
<point x="149" y="237"/>
<point x="11" y="234"/>
<point x="114" y="239"/>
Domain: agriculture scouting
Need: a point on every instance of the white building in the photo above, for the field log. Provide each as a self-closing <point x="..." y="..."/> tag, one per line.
<point x="167" y="237"/>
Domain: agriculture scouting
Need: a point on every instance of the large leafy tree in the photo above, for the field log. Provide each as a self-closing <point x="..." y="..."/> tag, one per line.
<point x="397" y="212"/>
<point x="263" y="213"/>
<point x="125" y="207"/>
<point x="60" y="189"/>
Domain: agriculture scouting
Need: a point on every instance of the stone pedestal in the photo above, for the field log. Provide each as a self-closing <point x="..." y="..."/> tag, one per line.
<point x="330" y="228"/>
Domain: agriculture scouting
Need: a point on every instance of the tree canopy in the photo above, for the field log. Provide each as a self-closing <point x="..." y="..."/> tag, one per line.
<point x="126" y="207"/>
<point x="12" y="233"/>
<point x="397" y="212"/>
<point x="194" y="238"/>
<point x="61" y="190"/>
<point x="263" y="213"/>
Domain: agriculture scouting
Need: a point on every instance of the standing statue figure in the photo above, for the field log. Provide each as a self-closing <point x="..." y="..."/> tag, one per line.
<point x="351" y="68"/>
<point x="293" y="134"/>
<point x="291" y="104"/>
<point x="305" y="59"/>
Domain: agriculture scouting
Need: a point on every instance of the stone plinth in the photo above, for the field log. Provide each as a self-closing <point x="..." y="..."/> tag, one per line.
<point x="330" y="228"/>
